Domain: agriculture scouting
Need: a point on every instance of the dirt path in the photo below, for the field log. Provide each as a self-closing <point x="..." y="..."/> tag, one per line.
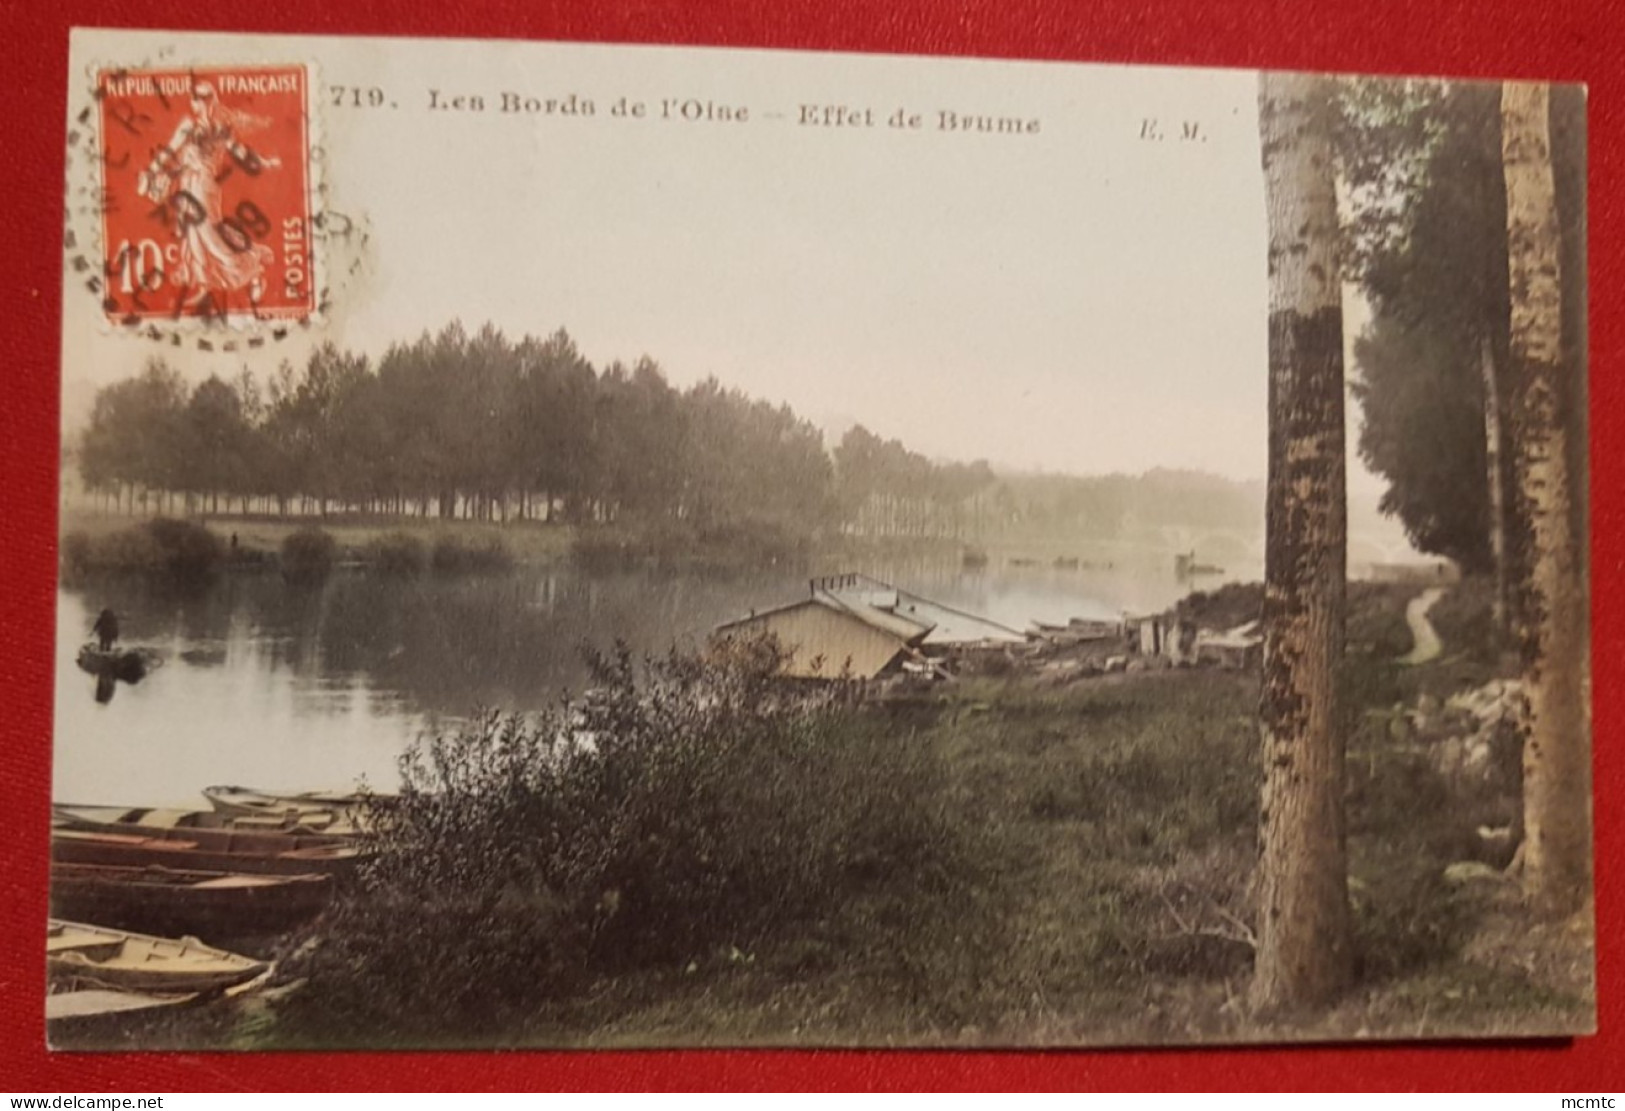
<point x="1427" y="643"/>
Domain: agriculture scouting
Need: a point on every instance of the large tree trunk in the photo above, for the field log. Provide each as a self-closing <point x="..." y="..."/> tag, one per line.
<point x="1556" y="850"/>
<point x="1304" y="949"/>
<point x="1492" y="470"/>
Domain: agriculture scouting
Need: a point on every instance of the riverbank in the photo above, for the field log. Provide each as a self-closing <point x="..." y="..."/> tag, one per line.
<point x="1119" y="819"/>
<point x="260" y="540"/>
<point x="1105" y="834"/>
<point x="672" y="546"/>
<point x="248" y="543"/>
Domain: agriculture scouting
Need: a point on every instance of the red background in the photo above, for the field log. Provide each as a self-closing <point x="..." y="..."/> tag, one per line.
<point x="1555" y="40"/>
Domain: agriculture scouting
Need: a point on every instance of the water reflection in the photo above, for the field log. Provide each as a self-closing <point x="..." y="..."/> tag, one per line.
<point x="301" y="686"/>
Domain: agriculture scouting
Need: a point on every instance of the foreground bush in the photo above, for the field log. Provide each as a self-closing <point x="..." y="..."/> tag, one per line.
<point x="308" y="555"/>
<point x="178" y="548"/>
<point x="703" y="806"/>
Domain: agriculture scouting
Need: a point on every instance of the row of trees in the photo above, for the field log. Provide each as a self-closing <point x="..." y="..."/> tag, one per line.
<point x="454" y="425"/>
<point x="1433" y="262"/>
<point x="1467" y="235"/>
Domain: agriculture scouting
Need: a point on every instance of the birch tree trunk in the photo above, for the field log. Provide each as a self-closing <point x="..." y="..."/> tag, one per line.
<point x="1556" y="852"/>
<point x="1304" y="955"/>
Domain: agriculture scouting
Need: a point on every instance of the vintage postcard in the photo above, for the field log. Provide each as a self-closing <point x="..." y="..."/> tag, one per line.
<point x="590" y="546"/>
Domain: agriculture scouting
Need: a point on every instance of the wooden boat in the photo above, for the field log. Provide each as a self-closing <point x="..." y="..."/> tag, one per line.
<point x="251" y="855"/>
<point x="252" y="800"/>
<point x="207" y="829"/>
<point x="164" y="901"/>
<point x="83" y="956"/>
<point x="319" y="809"/>
<point x="128" y="664"/>
<point x="76" y="1017"/>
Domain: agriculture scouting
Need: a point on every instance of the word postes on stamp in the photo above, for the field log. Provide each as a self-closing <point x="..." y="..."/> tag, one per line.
<point x="206" y="194"/>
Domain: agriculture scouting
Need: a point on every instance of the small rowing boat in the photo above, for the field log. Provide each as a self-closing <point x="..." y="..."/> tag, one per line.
<point x="102" y="1018"/>
<point x="258" y="855"/>
<point x="207" y="829"/>
<point x="96" y="957"/>
<point x="128" y="664"/>
<point x="160" y="900"/>
<point x="333" y="810"/>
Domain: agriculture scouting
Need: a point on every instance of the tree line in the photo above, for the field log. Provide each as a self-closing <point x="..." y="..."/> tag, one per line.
<point x="456" y="426"/>
<point x="476" y="426"/>
<point x="1430" y="251"/>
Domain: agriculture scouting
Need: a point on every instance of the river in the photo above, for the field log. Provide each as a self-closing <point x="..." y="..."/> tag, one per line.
<point x="275" y="685"/>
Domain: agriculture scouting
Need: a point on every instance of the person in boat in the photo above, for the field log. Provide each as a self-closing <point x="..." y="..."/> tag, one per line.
<point x="106" y="630"/>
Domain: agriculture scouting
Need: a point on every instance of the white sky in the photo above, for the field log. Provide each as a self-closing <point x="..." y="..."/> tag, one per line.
<point x="1078" y="300"/>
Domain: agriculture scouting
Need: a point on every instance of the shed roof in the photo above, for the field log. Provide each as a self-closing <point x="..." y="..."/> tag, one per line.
<point x="891" y="606"/>
<point x="952" y="626"/>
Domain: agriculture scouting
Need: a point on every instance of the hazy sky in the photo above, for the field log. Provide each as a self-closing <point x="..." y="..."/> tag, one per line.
<point x="1081" y="299"/>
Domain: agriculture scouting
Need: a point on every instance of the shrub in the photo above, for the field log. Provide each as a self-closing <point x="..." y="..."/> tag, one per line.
<point x="1465" y="619"/>
<point x="308" y="555"/>
<point x="455" y="556"/>
<point x="399" y="553"/>
<point x="1366" y="683"/>
<point x="187" y="550"/>
<point x="127" y="550"/>
<point x="1376" y="619"/>
<point x="1408" y="918"/>
<point x="1230" y="605"/>
<point x="179" y="548"/>
<point x="701" y="806"/>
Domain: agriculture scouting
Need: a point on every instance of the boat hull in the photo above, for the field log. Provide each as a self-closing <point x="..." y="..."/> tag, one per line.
<point x="100" y="1018"/>
<point x="128" y="664"/>
<point x="81" y="956"/>
<point x="327" y="810"/>
<point x="167" y="901"/>
<point x="72" y="846"/>
<point x="205" y="829"/>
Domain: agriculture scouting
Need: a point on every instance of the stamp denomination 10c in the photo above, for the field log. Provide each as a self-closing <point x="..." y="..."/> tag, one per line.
<point x="206" y="194"/>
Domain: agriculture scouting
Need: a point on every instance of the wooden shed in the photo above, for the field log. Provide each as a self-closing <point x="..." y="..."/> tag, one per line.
<point x="862" y="628"/>
<point x="829" y="642"/>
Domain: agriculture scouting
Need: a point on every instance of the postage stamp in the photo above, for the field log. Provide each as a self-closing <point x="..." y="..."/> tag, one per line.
<point x="206" y="194"/>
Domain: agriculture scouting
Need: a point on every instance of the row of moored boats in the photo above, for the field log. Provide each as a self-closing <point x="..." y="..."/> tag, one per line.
<point x="139" y="894"/>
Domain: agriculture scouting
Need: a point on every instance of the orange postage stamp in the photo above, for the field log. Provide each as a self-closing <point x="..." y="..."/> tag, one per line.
<point x="206" y="194"/>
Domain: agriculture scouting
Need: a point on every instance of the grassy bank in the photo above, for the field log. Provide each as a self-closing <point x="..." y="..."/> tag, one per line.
<point x="997" y="862"/>
<point x="1116" y="825"/>
<point x="1093" y="886"/>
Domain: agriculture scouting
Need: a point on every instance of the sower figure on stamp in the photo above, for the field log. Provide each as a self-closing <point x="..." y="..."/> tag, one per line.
<point x="106" y="629"/>
<point x="218" y="254"/>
